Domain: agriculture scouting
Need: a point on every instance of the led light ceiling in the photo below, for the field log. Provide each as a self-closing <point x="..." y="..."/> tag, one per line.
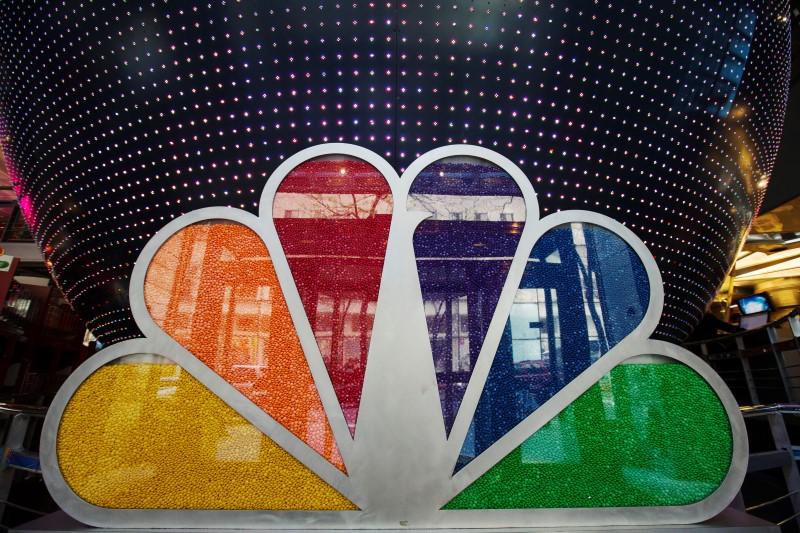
<point x="119" y="116"/>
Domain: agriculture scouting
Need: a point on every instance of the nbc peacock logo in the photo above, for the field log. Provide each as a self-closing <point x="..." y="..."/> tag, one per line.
<point x="377" y="351"/>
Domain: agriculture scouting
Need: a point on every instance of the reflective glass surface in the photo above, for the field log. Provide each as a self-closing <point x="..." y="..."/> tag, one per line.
<point x="148" y="435"/>
<point x="644" y="435"/>
<point x="212" y="288"/>
<point x="333" y="217"/>
<point x="463" y="254"/>
<point x="583" y="291"/>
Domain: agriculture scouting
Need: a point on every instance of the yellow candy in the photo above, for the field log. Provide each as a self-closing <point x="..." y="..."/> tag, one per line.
<point x="150" y="436"/>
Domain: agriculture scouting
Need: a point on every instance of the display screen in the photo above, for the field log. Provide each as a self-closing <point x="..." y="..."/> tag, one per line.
<point x="757" y="303"/>
<point x="754" y="321"/>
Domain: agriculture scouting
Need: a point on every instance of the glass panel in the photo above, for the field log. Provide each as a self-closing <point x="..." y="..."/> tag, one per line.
<point x="212" y="288"/>
<point x="333" y="217"/>
<point x="463" y="255"/>
<point x="645" y="435"/>
<point x="146" y="435"/>
<point x="582" y="280"/>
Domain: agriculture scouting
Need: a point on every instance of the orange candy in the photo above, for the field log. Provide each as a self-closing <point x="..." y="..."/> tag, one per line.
<point x="212" y="287"/>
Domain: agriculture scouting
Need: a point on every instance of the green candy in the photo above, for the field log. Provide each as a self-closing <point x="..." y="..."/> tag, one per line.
<point x="644" y="435"/>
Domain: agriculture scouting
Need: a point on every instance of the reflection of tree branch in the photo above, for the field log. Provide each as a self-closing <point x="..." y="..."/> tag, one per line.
<point x="334" y="207"/>
<point x="374" y="209"/>
<point x="446" y="205"/>
<point x="508" y="204"/>
<point x="318" y="199"/>
<point x="426" y="202"/>
<point x="439" y="323"/>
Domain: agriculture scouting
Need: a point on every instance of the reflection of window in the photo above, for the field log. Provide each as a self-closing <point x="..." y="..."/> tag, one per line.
<point x="252" y="309"/>
<point x="460" y="314"/>
<point x="506" y="217"/>
<point x="457" y="216"/>
<point x="291" y="213"/>
<point x="481" y="216"/>
<point x="342" y="329"/>
<point x="448" y="325"/>
<point x="528" y="327"/>
<point x="715" y="71"/>
<point x="324" y="325"/>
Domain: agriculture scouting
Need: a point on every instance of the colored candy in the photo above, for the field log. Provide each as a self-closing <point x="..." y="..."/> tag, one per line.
<point x="212" y="287"/>
<point x="333" y="217"/>
<point x="151" y="436"/>
<point x="645" y="435"/>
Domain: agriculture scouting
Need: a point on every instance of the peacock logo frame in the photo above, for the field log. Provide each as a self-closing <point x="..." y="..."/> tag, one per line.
<point x="378" y="351"/>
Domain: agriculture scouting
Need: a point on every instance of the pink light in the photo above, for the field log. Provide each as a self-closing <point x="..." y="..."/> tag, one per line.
<point x="27" y="210"/>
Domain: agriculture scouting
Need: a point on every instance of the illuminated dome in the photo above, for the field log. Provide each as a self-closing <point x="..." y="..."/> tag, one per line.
<point x="115" y="120"/>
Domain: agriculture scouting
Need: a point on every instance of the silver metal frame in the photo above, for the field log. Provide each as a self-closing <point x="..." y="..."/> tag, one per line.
<point x="400" y="461"/>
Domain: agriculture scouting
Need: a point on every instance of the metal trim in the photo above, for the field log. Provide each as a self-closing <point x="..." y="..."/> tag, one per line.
<point x="400" y="461"/>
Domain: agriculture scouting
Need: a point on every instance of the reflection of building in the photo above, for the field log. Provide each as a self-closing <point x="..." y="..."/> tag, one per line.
<point x="463" y="263"/>
<point x="594" y="133"/>
<point x="712" y="77"/>
<point x="244" y="305"/>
